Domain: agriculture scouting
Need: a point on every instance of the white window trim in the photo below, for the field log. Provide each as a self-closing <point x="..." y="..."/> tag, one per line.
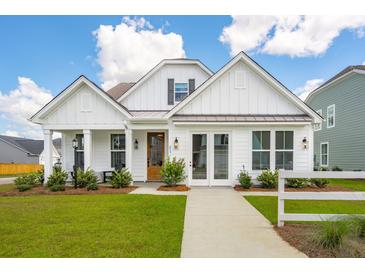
<point x="260" y="150"/>
<point x="236" y="85"/>
<point x="319" y="124"/>
<point x="334" y="115"/>
<point x="284" y="150"/>
<point x="114" y="150"/>
<point x="320" y="154"/>
<point x="187" y="90"/>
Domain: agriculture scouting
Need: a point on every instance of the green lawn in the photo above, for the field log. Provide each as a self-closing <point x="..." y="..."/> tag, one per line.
<point x="91" y="226"/>
<point x="356" y="185"/>
<point x="268" y="206"/>
<point x="7" y="187"/>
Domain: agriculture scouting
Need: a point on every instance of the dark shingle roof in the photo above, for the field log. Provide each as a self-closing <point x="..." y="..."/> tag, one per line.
<point x="119" y="90"/>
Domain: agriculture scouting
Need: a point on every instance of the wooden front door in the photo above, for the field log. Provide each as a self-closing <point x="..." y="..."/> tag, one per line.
<point x="155" y="155"/>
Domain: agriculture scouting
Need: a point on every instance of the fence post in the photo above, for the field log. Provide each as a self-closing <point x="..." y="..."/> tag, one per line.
<point x="281" y="189"/>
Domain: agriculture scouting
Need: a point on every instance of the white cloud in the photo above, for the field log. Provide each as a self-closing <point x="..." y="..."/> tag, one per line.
<point x="296" y="36"/>
<point x="128" y="50"/>
<point x="309" y="86"/>
<point x="363" y="63"/>
<point x="20" y="104"/>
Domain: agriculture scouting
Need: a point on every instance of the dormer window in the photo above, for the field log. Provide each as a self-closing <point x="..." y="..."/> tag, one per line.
<point x="181" y="91"/>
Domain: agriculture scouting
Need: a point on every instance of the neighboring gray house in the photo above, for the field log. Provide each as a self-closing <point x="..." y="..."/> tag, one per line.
<point x="24" y="151"/>
<point x="340" y="139"/>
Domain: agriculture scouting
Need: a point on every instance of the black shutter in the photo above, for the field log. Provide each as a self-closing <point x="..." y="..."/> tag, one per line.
<point x="170" y="91"/>
<point x="191" y="85"/>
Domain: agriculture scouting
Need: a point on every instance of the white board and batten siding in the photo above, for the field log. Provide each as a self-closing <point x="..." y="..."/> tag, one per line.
<point x="240" y="91"/>
<point x="152" y="94"/>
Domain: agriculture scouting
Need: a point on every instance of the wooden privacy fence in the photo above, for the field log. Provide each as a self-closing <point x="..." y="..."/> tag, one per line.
<point x="9" y="169"/>
<point x="282" y="195"/>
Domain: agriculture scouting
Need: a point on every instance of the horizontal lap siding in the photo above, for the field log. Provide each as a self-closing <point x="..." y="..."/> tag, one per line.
<point x="139" y="157"/>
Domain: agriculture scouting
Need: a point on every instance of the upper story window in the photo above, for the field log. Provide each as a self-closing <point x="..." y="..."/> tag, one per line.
<point x="181" y="91"/>
<point x="331" y="116"/>
<point x="318" y="126"/>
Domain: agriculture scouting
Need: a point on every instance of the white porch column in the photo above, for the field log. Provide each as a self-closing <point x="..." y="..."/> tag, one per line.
<point x="48" y="151"/>
<point x="128" y="149"/>
<point x="87" y="148"/>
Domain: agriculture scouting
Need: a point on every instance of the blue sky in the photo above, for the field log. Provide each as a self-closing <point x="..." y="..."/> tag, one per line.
<point x="51" y="51"/>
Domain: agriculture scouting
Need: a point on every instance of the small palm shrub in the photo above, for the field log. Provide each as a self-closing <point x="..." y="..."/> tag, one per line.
<point x="297" y="182"/>
<point x="58" y="177"/>
<point x="268" y="178"/>
<point x="173" y="171"/>
<point x="55" y="188"/>
<point x="321" y="183"/>
<point x="92" y="186"/>
<point x="23" y="188"/>
<point x="244" y="179"/>
<point x="336" y="168"/>
<point x="331" y="234"/>
<point x="84" y="178"/>
<point x="121" y="178"/>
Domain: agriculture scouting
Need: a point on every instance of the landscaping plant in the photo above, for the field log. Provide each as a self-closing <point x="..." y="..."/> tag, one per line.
<point x="84" y="178"/>
<point x="23" y="188"/>
<point x="244" y="179"/>
<point x="58" y="177"/>
<point x="173" y="171"/>
<point x="321" y="183"/>
<point x="55" y="188"/>
<point x="297" y="182"/>
<point x="331" y="234"/>
<point x="92" y="186"/>
<point x="121" y="178"/>
<point x="26" y="182"/>
<point x="269" y="178"/>
<point x="357" y="225"/>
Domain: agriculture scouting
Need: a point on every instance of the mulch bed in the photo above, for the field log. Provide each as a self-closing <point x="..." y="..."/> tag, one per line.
<point x="329" y="188"/>
<point x="69" y="191"/>
<point x="174" y="188"/>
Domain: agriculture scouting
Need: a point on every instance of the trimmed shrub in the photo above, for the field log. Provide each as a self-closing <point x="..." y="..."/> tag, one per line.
<point x="321" y="183"/>
<point x="92" y="186"/>
<point x="244" y="179"/>
<point x="336" y="168"/>
<point x="297" y="182"/>
<point x="40" y="176"/>
<point x="173" y="171"/>
<point x="331" y="234"/>
<point x="24" y="187"/>
<point x="55" y="188"/>
<point x="30" y="179"/>
<point x="84" y="178"/>
<point x="268" y="178"/>
<point x="58" y="177"/>
<point x="121" y="178"/>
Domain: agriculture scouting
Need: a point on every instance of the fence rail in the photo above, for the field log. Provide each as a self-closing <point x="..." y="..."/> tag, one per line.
<point x="347" y="196"/>
<point x="10" y="169"/>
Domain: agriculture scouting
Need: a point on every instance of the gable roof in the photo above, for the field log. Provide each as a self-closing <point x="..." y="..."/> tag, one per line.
<point x="262" y="72"/>
<point x="119" y="90"/>
<point x="36" y="118"/>
<point x="343" y="73"/>
<point x="177" y="61"/>
<point x="33" y="147"/>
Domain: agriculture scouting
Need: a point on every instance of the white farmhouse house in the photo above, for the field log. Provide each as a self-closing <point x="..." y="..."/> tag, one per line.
<point x="240" y="117"/>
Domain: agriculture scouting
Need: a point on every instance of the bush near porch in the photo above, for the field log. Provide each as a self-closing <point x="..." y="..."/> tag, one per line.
<point x="91" y="226"/>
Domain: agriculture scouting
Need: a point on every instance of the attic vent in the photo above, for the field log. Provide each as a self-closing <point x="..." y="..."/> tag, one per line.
<point x="86" y="102"/>
<point x="240" y="79"/>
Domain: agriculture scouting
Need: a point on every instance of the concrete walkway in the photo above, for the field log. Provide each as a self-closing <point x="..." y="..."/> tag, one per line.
<point x="151" y="188"/>
<point x="220" y="223"/>
<point x="5" y="181"/>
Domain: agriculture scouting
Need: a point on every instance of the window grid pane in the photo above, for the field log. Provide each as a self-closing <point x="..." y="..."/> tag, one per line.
<point x="260" y="150"/>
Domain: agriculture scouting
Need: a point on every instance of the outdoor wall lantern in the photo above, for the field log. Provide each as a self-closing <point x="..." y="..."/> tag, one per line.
<point x="305" y="143"/>
<point x="135" y="144"/>
<point x="176" y="143"/>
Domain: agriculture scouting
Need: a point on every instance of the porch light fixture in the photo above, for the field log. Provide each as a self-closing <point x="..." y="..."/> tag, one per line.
<point x="135" y="144"/>
<point x="305" y="143"/>
<point x="176" y="143"/>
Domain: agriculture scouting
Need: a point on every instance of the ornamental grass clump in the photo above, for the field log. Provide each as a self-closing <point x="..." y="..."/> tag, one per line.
<point x="331" y="234"/>
<point x="244" y="179"/>
<point x="121" y="178"/>
<point x="173" y="171"/>
<point x="269" y="178"/>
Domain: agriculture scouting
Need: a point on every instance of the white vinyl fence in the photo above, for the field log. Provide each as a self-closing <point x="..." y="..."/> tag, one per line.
<point x="282" y="195"/>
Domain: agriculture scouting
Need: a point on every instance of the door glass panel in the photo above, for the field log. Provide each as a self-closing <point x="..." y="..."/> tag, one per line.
<point x="199" y="156"/>
<point x="220" y="156"/>
<point x="156" y="149"/>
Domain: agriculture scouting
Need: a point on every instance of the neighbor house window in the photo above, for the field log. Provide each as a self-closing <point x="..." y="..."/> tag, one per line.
<point x="330" y="116"/>
<point x="181" y="91"/>
<point x="324" y="154"/>
<point x="79" y="153"/>
<point x="260" y="150"/>
<point x="284" y="150"/>
<point x="318" y="126"/>
<point x="117" y="143"/>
